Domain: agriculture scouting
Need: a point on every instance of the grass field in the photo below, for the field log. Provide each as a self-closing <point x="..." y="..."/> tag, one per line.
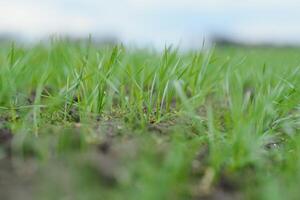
<point x="84" y="121"/>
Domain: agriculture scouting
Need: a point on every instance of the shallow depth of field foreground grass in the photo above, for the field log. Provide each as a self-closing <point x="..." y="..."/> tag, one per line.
<point x="84" y="121"/>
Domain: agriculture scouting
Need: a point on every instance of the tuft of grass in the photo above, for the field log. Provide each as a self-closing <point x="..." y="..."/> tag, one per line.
<point x="90" y="121"/>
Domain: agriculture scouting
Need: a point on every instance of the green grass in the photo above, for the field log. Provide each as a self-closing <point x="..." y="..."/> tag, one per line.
<point x="85" y="121"/>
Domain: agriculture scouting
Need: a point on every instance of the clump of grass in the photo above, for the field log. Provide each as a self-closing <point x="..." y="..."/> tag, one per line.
<point x="153" y="113"/>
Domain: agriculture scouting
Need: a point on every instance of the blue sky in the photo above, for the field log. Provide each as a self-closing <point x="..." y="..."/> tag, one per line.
<point x="155" y="22"/>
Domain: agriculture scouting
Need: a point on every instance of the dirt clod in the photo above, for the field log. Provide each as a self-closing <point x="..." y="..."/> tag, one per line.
<point x="74" y="115"/>
<point x="104" y="147"/>
<point x="6" y="137"/>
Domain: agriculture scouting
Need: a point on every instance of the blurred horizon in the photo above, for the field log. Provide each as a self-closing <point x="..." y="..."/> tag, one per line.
<point x="151" y="22"/>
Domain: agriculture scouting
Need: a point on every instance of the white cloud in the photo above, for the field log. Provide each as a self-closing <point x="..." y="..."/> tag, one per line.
<point x="212" y="4"/>
<point x="34" y="19"/>
<point x="153" y="21"/>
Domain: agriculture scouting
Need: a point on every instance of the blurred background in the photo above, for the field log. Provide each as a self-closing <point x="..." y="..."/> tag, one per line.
<point x="154" y="22"/>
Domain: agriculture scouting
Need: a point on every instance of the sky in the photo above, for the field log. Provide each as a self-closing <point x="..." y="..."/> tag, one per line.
<point x="154" y="22"/>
